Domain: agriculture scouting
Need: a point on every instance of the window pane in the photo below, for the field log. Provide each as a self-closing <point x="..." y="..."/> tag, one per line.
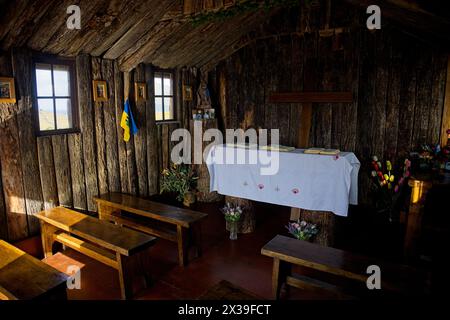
<point x="61" y="80"/>
<point x="63" y="116"/>
<point x="158" y="84"/>
<point x="46" y="117"/>
<point x="158" y="109"/>
<point x="167" y="84"/>
<point x="168" y="109"/>
<point x="44" y="80"/>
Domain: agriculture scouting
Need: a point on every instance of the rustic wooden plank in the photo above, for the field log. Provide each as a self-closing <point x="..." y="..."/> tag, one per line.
<point x="323" y="112"/>
<point x="423" y="101"/>
<point x="50" y="25"/>
<point x="407" y="100"/>
<point x="30" y="18"/>
<point x="100" y="131"/>
<point x="87" y="128"/>
<point x="446" y="112"/>
<point x="139" y="28"/>
<point x="47" y="170"/>
<point x="64" y="40"/>
<point x="109" y="236"/>
<point x="439" y="74"/>
<point x="75" y="148"/>
<point x="152" y="132"/>
<point x="131" y="154"/>
<point x="393" y="104"/>
<point x="140" y="139"/>
<point x="62" y="170"/>
<point x="109" y="116"/>
<point x="12" y="180"/>
<point x="22" y="69"/>
<point x="165" y="145"/>
<point x="121" y="146"/>
<point x="296" y="86"/>
<point x="3" y="219"/>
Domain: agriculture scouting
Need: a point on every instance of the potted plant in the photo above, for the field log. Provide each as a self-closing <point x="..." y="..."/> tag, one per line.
<point x="232" y="215"/>
<point x="181" y="180"/>
<point x="302" y="230"/>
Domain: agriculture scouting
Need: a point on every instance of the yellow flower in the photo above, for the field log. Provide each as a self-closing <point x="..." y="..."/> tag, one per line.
<point x="165" y="172"/>
<point x="386" y="176"/>
<point x="388" y="165"/>
<point x="391" y="178"/>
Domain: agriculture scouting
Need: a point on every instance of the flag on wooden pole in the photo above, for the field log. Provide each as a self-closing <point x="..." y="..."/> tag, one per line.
<point x="127" y="122"/>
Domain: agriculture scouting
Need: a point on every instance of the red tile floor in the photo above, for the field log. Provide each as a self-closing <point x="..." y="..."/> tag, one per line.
<point x="239" y="262"/>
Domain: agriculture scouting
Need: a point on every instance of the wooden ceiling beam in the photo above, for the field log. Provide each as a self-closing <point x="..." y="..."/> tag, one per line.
<point x="149" y="43"/>
<point x="65" y="38"/>
<point x="27" y="22"/>
<point x="49" y="25"/>
<point x="139" y="29"/>
<point x="11" y="13"/>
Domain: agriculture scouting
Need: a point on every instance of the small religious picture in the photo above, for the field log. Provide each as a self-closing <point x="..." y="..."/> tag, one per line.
<point x="197" y="114"/>
<point x="209" y="114"/>
<point x="140" y="89"/>
<point x="100" y="90"/>
<point x="7" y="90"/>
<point x="187" y="93"/>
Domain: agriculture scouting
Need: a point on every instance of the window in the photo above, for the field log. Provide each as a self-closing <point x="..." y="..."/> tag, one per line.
<point x="55" y="96"/>
<point x="164" y="100"/>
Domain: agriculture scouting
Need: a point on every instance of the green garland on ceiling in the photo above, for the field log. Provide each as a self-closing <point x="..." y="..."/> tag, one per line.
<point x="243" y="7"/>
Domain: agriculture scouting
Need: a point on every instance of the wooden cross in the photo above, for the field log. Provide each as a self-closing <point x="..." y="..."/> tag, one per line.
<point x="307" y="99"/>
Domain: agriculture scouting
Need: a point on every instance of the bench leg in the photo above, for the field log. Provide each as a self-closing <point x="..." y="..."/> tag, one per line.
<point x="280" y="271"/>
<point x="104" y="212"/>
<point x="182" y="246"/>
<point x="125" y="280"/>
<point x="47" y="236"/>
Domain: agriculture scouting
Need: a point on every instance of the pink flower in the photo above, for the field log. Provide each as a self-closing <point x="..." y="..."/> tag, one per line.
<point x="336" y="157"/>
<point x="396" y="189"/>
<point x="295" y="191"/>
<point x="260" y="186"/>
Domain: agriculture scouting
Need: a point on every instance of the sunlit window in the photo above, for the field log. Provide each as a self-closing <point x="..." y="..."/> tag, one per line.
<point x="54" y="97"/>
<point x="164" y="101"/>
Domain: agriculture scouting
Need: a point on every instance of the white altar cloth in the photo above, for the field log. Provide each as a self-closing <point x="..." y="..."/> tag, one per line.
<point x="306" y="181"/>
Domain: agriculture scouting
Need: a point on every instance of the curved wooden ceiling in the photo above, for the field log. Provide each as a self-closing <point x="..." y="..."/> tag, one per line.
<point x="134" y="31"/>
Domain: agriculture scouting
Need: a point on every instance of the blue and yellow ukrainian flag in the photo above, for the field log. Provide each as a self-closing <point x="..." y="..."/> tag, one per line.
<point x="127" y="122"/>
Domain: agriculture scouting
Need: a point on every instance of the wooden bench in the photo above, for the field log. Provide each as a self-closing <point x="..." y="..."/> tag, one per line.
<point x="175" y="224"/>
<point x="123" y="249"/>
<point x="286" y="252"/>
<point x="23" y="277"/>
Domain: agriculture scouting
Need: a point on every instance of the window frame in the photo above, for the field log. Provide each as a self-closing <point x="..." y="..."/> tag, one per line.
<point x="173" y="96"/>
<point x="64" y="61"/>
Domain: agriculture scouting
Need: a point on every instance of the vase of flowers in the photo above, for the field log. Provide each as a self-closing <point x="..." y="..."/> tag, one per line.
<point x="232" y="215"/>
<point x="181" y="180"/>
<point x="302" y="230"/>
<point x="387" y="183"/>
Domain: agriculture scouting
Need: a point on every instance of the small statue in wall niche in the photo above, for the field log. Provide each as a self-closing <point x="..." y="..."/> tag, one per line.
<point x="203" y="96"/>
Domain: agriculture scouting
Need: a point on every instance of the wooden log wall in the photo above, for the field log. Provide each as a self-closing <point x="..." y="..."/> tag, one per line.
<point x="42" y="172"/>
<point x="398" y="84"/>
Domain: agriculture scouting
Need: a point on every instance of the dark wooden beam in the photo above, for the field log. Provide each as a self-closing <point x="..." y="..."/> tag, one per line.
<point x="311" y="97"/>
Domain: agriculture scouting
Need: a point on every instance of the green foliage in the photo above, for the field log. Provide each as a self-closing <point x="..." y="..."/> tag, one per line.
<point x="178" y="179"/>
<point x="240" y="8"/>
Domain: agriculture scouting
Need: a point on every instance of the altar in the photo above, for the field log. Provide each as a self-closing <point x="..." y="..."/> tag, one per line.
<point x="313" y="182"/>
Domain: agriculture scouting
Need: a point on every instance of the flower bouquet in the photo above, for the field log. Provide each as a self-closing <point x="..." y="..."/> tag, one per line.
<point x="232" y="216"/>
<point x="387" y="186"/>
<point x="302" y="230"/>
<point x="180" y="179"/>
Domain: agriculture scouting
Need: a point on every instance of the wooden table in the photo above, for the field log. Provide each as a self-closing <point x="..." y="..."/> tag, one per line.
<point x="121" y="248"/>
<point x="287" y="252"/>
<point x="179" y="225"/>
<point x="23" y="277"/>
